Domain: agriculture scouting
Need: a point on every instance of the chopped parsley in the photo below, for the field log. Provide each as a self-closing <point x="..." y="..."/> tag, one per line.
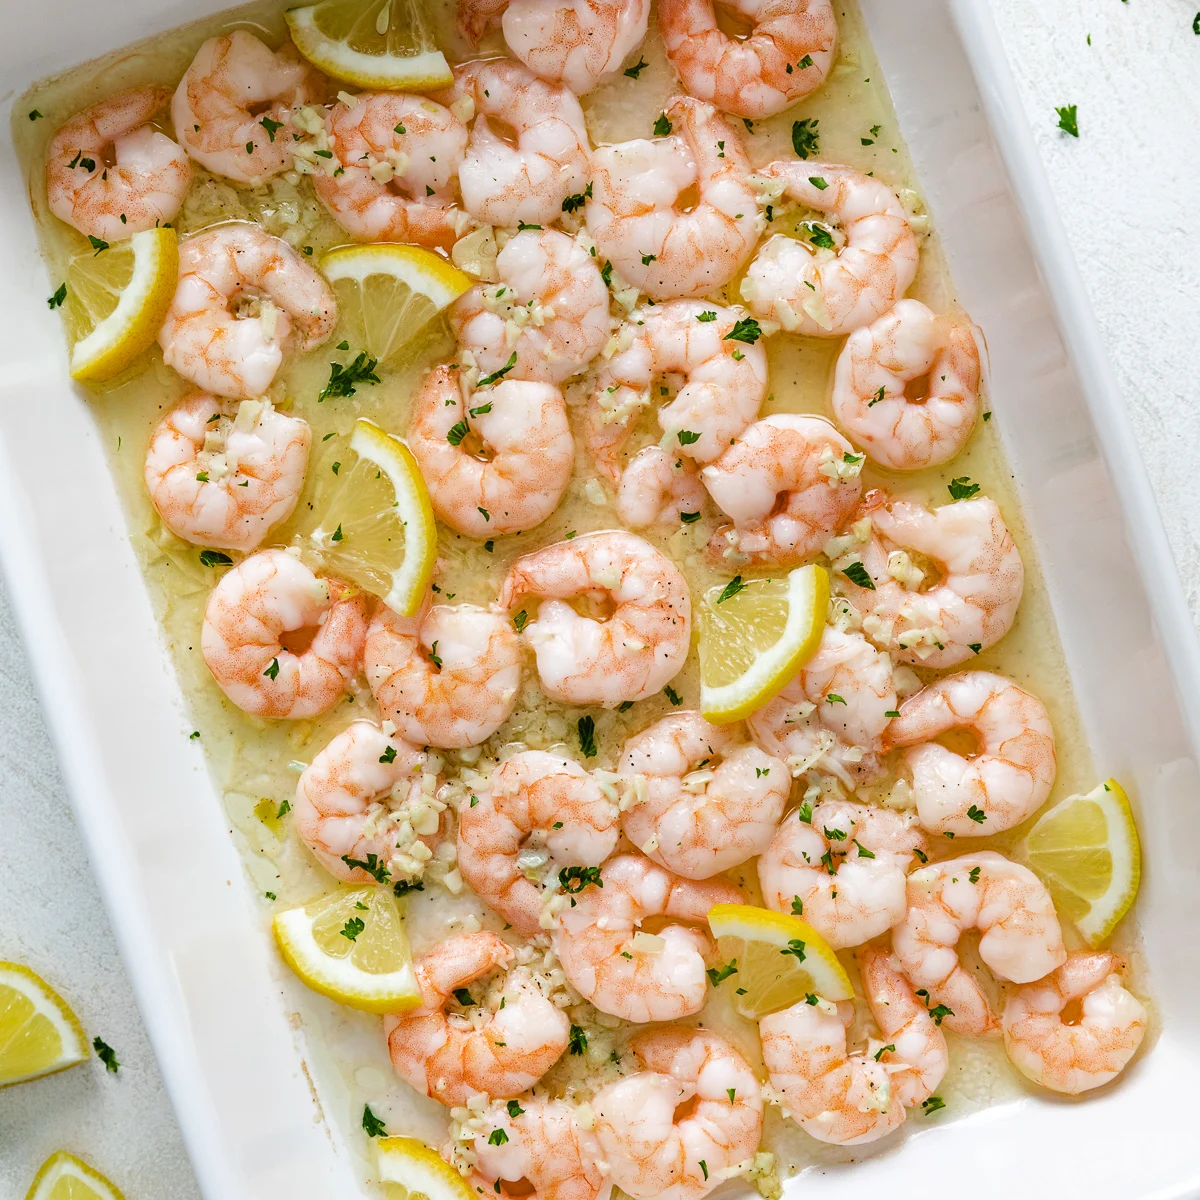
<point x="457" y="432"/>
<point x="706" y="316"/>
<point x="795" y="947"/>
<point x="962" y="488"/>
<point x="1068" y="119"/>
<point x="59" y="296"/>
<point x="352" y="928"/>
<point x="371" y="864"/>
<point x="731" y="589"/>
<point x="930" y="1106"/>
<point x="717" y="976"/>
<point x="521" y="620"/>
<point x="746" y="330"/>
<point x="805" y="138"/>
<point x="106" y="1054"/>
<point x="342" y="379"/>
<point x="576" y="202"/>
<point x="371" y="1124"/>
<point x="672" y="695"/>
<point x="637" y="68"/>
<point x="687" y="437"/>
<point x="858" y="575"/>
<point x="576" y="1040"/>
<point x="497" y="1137"/>
<point x="574" y="879"/>
<point x="214" y="558"/>
<point x="976" y="814"/>
<point x="272" y="672"/>
<point x="496" y="376"/>
<point x="271" y="126"/>
<point x="663" y="126"/>
<point x="587" y="736"/>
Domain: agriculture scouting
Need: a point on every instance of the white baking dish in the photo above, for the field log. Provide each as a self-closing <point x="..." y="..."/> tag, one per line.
<point x="193" y="937"/>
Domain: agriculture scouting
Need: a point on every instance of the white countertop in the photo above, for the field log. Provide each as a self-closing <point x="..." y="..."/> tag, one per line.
<point x="1127" y="190"/>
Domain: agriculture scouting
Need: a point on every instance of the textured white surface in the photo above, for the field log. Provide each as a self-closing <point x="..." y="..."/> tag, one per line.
<point x="1125" y="188"/>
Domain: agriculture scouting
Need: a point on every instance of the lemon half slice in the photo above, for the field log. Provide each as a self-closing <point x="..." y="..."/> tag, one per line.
<point x="116" y="300"/>
<point x="755" y="637"/>
<point x="39" y="1034"/>
<point x="388" y="292"/>
<point x="376" y="525"/>
<point x="373" y="43"/>
<point x="415" y="1166"/>
<point x="350" y="946"/>
<point x="1086" y="849"/>
<point x="64" y="1177"/>
<point x="780" y="959"/>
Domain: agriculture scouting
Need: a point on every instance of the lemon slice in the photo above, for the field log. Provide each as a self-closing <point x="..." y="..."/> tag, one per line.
<point x="755" y="636"/>
<point x="350" y="946"/>
<point x="419" y="1169"/>
<point x="64" y="1177"/>
<point x="39" y="1034"/>
<point x="780" y="959"/>
<point x="1086" y="849"/>
<point x="375" y="523"/>
<point x="373" y="43"/>
<point x="388" y="292"/>
<point x="116" y="300"/>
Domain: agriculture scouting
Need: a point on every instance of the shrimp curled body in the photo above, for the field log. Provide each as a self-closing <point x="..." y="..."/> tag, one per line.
<point x="224" y="479"/>
<point x="631" y="975"/>
<point x="652" y="1154"/>
<point x="232" y="100"/>
<point x="786" y="56"/>
<point x="874" y="371"/>
<point x="843" y="869"/>
<point x="1021" y="939"/>
<point x="144" y="185"/>
<point x="349" y="799"/>
<point x="1010" y="777"/>
<point x="788" y="486"/>
<point x="517" y="476"/>
<point x="830" y="292"/>
<point x="266" y="596"/>
<point x="534" y="800"/>
<point x="449" y="1060"/>
<point x="1074" y="1058"/>
<point x="544" y="1147"/>
<point x="630" y="655"/>
<point x="576" y="42"/>
<point x="399" y="158"/>
<point x="633" y="214"/>
<point x="461" y="699"/>
<point x="211" y="341"/>
<point x="710" y="803"/>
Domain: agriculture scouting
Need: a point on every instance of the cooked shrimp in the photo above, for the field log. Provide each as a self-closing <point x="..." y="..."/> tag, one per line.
<point x="829" y="292"/>
<point x="654" y="1155"/>
<point x="915" y="1054"/>
<point x="446" y="678"/>
<point x="576" y="42"/>
<point x="841" y="867"/>
<point x="240" y="293"/>
<point x="506" y="184"/>
<point x="495" y="461"/>
<point x="540" y="813"/>
<point x="360" y="799"/>
<point x="633" y="975"/>
<point x="1005" y="782"/>
<point x="907" y="349"/>
<point x="832" y="714"/>
<point x="785" y="57"/>
<point x="788" y="483"/>
<point x="635" y="214"/>
<point x="399" y="158"/>
<point x="223" y="476"/>
<point x="724" y="382"/>
<point x="971" y="607"/>
<point x="232" y="100"/>
<point x="1020" y="935"/>
<point x="831" y="1094"/>
<point x="628" y="655"/>
<point x="544" y="1148"/>
<point x="267" y="598"/>
<point x="110" y="173"/>
<point x="452" y="1058"/>
<point x="550" y="309"/>
<point x="1073" y="1057"/>
<point x="706" y="803"/>
<point x="658" y="488"/>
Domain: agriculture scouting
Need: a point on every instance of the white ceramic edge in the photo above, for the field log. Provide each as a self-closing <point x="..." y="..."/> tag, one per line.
<point x="1060" y="275"/>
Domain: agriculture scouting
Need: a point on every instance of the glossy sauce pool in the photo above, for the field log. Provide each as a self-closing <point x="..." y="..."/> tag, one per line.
<point x="255" y="763"/>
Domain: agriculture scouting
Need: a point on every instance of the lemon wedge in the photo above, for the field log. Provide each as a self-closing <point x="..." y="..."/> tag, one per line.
<point x="417" y="1168"/>
<point x="1086" y="849"/>
<point x="779" y="959"/>
<point x="388" y="292"/>
<point x="755" y="636"/>
<point x="373" y="43"/>
<point x="39" y="1034"/>
<point x="64" y="1177"/>
<point x="117" y="297"/>
<point x="374" y="520"/>
<point x="350" y="945"/>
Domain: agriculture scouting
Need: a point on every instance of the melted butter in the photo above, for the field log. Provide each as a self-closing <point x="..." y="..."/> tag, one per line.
<point x="255" y="763"/>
